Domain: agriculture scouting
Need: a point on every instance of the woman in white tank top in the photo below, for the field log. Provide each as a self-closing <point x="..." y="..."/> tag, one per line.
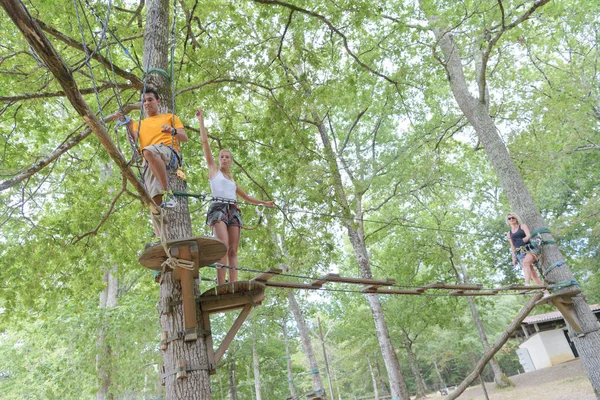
<point x="223" y="215"/>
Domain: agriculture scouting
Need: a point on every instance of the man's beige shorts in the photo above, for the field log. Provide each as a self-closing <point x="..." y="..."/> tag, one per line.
<point x="151" y="183"/>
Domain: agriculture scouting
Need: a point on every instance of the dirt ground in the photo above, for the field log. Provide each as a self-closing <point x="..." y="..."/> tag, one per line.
<point x="565" y="381"/>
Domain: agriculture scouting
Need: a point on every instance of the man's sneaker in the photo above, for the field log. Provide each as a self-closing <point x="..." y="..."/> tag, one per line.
<point x="171" y="202"/>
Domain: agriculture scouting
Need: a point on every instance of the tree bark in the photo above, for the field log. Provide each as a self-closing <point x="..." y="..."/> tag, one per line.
<point x="288" y="361"/>
<point x="414" y="367"/>
<point x="306" y="343"/>
<point x="521" y="201"/>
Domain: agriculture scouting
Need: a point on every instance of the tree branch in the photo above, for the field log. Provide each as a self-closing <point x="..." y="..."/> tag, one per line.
<point x="334" y="29"/>
<point x="61" y="93"/>
<point x="60" y="150"/>
<point x="137" y="82"/>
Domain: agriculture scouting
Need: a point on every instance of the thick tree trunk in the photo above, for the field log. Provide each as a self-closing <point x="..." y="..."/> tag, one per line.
<point x="521" y="201"/>
<point x="414" y="367"/>
<point x="256" y="370"/>
<point x="194" y="354"/>
<point x="306" y="343"/>
<point x="357" y="239"/>
<point x="288" y="361"/>
<point x="108" y="299"/>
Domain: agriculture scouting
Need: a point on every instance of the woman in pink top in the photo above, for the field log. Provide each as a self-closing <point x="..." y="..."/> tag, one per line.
<point x="223" y="215"/>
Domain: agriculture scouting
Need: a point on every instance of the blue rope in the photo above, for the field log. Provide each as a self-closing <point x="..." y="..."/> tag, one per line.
<point x="556" y="264"/>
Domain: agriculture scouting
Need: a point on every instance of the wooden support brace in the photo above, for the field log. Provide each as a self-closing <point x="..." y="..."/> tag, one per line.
<point x="193" y="249"/>
<point x="187" y="296"/>
<point x="232" y="331"/>
<point x="209" y="344"/>
<point x="523" y="287"/>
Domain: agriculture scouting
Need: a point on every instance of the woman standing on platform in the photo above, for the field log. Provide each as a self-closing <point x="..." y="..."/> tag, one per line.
<point x="223" y="215"/>
<point x="522" y="250"/>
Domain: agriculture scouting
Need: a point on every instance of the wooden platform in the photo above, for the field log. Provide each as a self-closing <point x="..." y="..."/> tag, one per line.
<point x="209" y="250"/>
<point x="231" y="296"/>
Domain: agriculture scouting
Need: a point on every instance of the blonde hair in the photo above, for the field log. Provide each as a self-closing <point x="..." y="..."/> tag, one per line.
<point x="513" y="214"/>
<point x="226" y="151"/>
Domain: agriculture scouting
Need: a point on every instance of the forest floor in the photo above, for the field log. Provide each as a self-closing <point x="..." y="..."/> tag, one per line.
<point x="566" y="381"/>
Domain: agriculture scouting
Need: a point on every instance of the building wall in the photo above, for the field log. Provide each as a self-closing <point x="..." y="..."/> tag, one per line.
<point x="537" y="351"/>
<point x="548" y="348"/>
<point x="557" y="346"/>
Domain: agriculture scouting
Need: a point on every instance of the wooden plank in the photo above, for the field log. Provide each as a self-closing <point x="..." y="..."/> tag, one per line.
<point x="210" y="250"/>
<point x="441" y="285"/>
<point x="292" y="285"/>
<point x="563" y="297"/>
<point x="341" y="279"/>
<point x="267" y="275"/>
<point x="472" y="294"/>
<point x="226" y="302"/>
<point x="232" y="331"/>
<point x="522" y="287"/>
<point x="392" y="291"/>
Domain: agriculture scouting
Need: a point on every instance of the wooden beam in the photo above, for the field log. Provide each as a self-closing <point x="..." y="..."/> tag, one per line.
<point x="232" y="331"/>
<point x="522" y="287"/>
<point x="392" y="291"/>
<point x="341" y="279"/>
<point x="210" y="350"/>
<point x="267" y="275"/>
<point x="472" y="294"/>
<point x="292" y="285"/>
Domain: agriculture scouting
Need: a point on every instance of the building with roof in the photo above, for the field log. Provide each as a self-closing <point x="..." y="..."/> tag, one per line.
<point x="544" y="340"/>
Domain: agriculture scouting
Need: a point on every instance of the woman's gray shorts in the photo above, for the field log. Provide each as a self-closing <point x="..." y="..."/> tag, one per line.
<point x="225" y="212"/>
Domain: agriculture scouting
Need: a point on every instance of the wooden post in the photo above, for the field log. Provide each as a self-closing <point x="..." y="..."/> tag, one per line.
<point x="186" y="277"/>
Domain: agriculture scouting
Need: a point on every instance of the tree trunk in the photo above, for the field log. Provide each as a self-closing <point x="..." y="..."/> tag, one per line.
<point x="437" y="371"/>
<point x="322" y="339"/>
<point x="306" y="343"/>
<point x="521" y="201"/>
<point x="108" y="299"/>
<point x="288" y="360"/>
<point x="423" y="382"/>
<point x="232" y="385"/>
<point x="414" y="366"/>
<point x="355" y="230"/>
<point x="373" y="379"/>
<point x="499" y="378"/>
<point x="256" y="370"/>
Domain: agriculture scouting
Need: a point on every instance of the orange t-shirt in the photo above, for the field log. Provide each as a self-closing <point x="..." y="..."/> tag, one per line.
<point x="151" y="131"/>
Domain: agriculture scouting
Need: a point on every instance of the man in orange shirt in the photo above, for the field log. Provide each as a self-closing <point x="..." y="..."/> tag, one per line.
<point x="159" y="137"/>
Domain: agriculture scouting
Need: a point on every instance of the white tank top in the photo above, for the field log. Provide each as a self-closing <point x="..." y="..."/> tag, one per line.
<point x="222" y="187"/>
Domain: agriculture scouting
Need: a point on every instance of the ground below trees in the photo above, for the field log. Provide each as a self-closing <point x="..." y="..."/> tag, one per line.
<point x="566" y="381"/>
